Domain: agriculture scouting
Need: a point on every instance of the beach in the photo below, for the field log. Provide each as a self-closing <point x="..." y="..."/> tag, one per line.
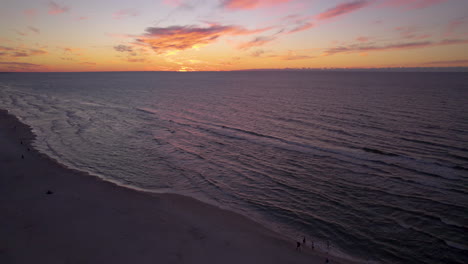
<point x="53" y="214"/>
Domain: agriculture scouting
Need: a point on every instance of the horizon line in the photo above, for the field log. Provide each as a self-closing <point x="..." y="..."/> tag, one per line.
<point x="362" y="69"/>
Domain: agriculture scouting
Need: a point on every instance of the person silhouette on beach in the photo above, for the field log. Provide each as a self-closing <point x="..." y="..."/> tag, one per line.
<point x="312" y="245"/>
<point x="304" y="241"/>
<point x="298" y="245"/>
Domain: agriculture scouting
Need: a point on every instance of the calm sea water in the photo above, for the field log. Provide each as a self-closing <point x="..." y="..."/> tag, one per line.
<point x="375" y="163"/>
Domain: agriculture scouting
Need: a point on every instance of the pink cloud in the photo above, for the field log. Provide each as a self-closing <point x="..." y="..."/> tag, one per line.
<point x="82" y="18"/>
<point x="124" y="13"/>
<point x="360" y="48"/>
<point x="455" y="24"/>
<point x="362" y="39"/>
<point x="411" y="4"/>
<point x="55" y="8"/>
<point x="343" y="9"/>
<point x="250" y="4"/>
<point x="177" y="38"/>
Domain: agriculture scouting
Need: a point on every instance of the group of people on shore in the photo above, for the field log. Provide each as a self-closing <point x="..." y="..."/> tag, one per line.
<point x="300" y="245"/>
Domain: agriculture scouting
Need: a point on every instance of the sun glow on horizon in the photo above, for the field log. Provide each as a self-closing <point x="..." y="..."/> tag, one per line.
<point x="190" y="35"/>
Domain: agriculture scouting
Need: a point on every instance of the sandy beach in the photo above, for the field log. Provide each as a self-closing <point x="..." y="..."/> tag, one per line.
<point x="52" y="214"/>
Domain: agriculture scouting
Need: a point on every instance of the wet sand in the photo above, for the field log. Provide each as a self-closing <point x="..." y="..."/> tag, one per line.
<point x="53" y="214"/>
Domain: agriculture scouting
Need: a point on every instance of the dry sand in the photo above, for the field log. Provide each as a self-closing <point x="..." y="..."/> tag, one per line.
<point x="87" y="220"/>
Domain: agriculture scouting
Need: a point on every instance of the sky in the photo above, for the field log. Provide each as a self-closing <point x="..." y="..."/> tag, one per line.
<point x="223" y="35"/>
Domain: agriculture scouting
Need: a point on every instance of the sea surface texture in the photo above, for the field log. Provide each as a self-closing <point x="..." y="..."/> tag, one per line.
<point x="375" y="163"/>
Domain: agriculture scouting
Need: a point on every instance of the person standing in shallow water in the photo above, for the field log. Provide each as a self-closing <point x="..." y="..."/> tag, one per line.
<point x="304" y="241"/>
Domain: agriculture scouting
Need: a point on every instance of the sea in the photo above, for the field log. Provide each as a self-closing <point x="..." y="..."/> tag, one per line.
<point x="370" y="166"/>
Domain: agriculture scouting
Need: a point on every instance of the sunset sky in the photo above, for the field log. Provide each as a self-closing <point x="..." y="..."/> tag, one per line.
<point x="200" y="35"/>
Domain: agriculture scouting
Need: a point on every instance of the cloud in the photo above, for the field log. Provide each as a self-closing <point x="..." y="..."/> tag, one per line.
<point x="136" y="60"/>
<point x="81" y="18"/>
<point x="258" y="41"/>
<point x="292" y="55"/>
<point x="123" y="48"/>
<point x="88" y="63"/>
<point x="304" y="26"/>
<point x="361" y="48"/>
<point x="298" y="23"/>
<point x="125" y="13"/>
<point x="453" y="41"/>
<point x="3" y="48"/>
<point x="411" y="4"/>
<point x="34" y="52"/>
<point x="250" y="4"/>
<point x="343" y="9"/>
<point x="19" y="66"/>
<point x="411" y="33"/>
<point x="176" y="38"/>
<point x="28" y="29"/>
<point x="70" y="51"/>
<point x="19" y="63"/>
<point x="455" y="24"/>
<point x="132" y="54"/>
<point x="363" y="39"/>
<point x="20" y="33"/>
<point x="297" y="57"/>
<point x="367" y="48"/>
<point x="257" y="53"/>
<point x="55" y="8"/>
<point x="34" y="29"/>
<point x="20" y="52"/>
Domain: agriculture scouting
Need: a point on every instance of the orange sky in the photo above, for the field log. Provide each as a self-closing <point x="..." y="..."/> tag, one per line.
<point x="199" y="35"/>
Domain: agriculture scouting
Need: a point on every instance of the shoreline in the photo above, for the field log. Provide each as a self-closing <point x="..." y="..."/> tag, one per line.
<point x="56" y="214"/>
